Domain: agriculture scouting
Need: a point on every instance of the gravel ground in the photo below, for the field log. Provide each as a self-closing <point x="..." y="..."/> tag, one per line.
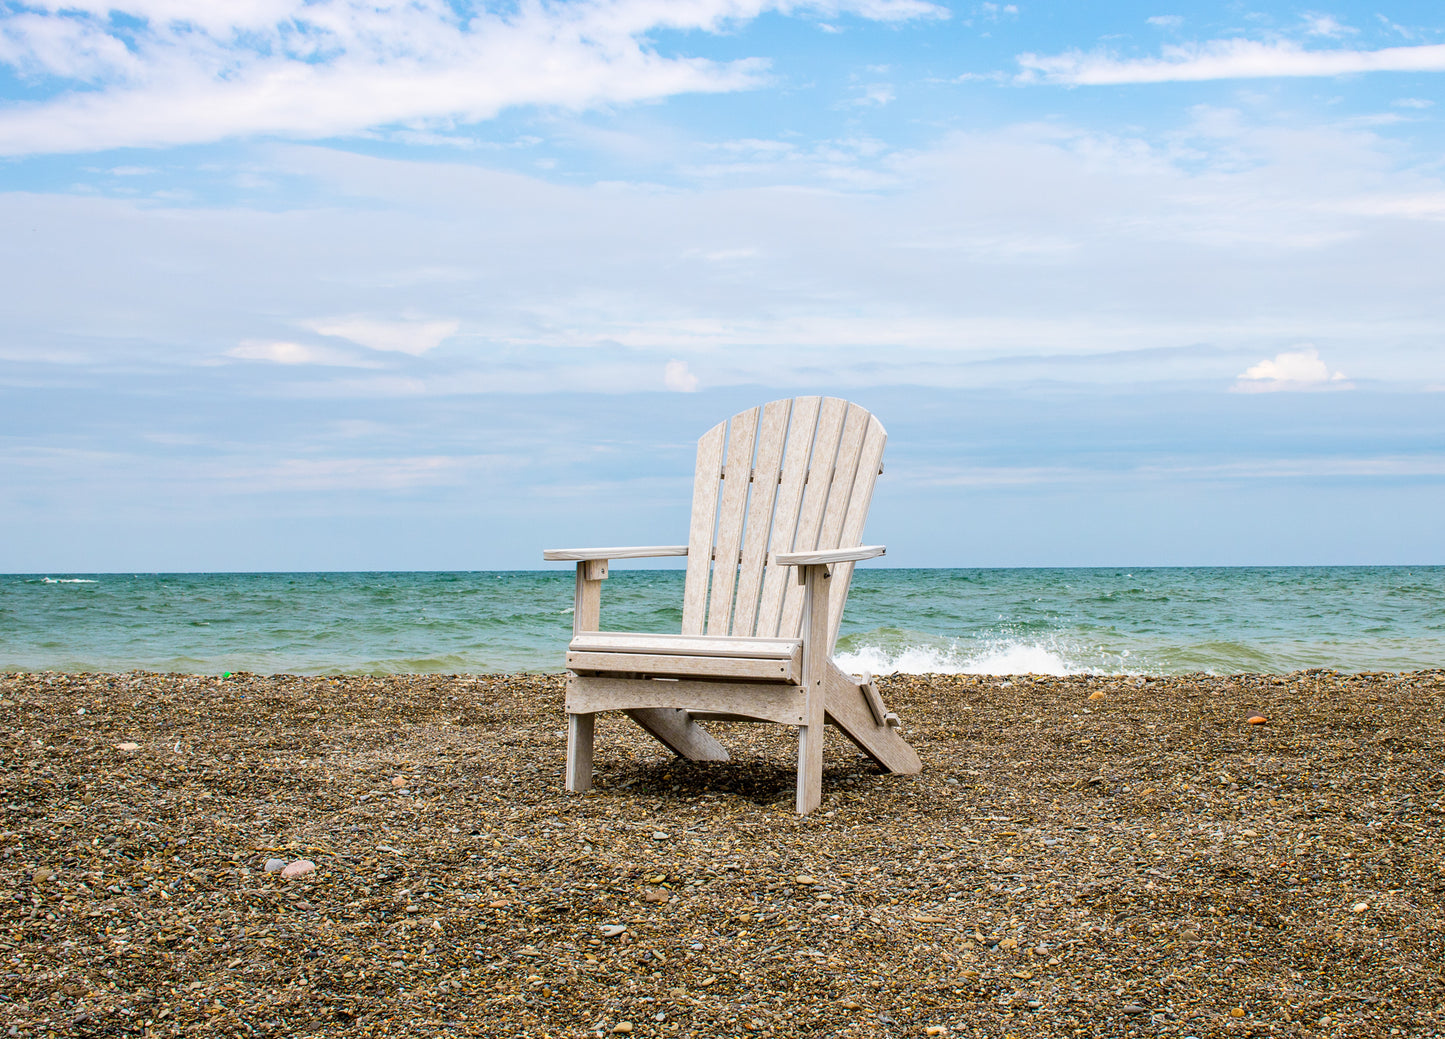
<point x="1099" y="856"/>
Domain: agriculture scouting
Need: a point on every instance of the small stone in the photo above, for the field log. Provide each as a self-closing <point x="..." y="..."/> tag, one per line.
<point x="1098" y="694"/>
<point x="805" y="880"/>
<point x="1134" y="1009"/>
<point x="1258" y="719"/>
<point x="41" y="875"/>
<point x="398" y="782"/>
<point x="657" y="896"/>
<point x="275" y="865"/>
<point x="299" y="868"/>
<point x="935" y="1030"/>
<point x="622" y="1028"/>
<point x="500" y="903"/>
<point x="1237" y="1012"/>
<point x="127" y="747"/>
<point x="657" y="835"/>
<point x="613" y="930"/>
<point x="1360" y="907"/>
<point x="850" y="1004"/>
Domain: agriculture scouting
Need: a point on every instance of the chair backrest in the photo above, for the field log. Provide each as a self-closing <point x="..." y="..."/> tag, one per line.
<point x="792" y="475"/>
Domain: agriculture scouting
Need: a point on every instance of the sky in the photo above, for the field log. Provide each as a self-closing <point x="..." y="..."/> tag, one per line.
<point x="333" y="285"/>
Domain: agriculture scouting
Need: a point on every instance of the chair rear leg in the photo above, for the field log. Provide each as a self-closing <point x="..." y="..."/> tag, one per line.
<point x="579" y="752"/>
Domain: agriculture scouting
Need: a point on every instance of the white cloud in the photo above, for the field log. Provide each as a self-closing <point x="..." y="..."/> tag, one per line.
<point x="183" y="72"/>
<point x="676" y="377"/>
<point x="993" y="12"/>
<point x="1412" y="102"/>
<point x="1290" y="370"/>
<point x="282" y="352"/>
<point x="407" y="337"/>
<point x="1166" y="21"/>
<point x="1225" y="59"/>
<point x="1024" y="242"/>
<point x="875" y="95"/>
<point x="1326" y="25"/>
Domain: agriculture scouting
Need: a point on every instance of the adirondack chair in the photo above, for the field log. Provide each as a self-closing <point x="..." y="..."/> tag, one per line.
<point x="780" y="495"/>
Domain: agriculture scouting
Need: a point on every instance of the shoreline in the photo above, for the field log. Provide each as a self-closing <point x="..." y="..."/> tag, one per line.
<point x="1143" y="861"/>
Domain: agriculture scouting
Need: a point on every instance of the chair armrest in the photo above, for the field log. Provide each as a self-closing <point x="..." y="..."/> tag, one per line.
<point x="643" y="552"/>
<point x="828" y="555"/>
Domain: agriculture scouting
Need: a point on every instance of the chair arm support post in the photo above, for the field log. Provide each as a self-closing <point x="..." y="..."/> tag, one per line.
<point x="587" y="598"/>
<point x="816" y="625"/>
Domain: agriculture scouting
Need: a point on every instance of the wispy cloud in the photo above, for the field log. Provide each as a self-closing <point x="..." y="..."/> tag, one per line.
<point x="162" y="72"/>
<point x="285" y="352"/>
<point x="1224" y="59"/>
<point x="677" y="377"/>
<point x="407" y="337"/>
<point x="1291" y="370"/>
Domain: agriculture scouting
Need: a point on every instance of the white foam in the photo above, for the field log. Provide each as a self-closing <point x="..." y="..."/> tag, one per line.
<point x="68" y="580"/>
<point x="1003" y="658"/>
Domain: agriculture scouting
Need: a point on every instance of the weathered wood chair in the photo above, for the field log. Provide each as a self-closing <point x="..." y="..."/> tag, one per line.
<point x="781" y="491"/>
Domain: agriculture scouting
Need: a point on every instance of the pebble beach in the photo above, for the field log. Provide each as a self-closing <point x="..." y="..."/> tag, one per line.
<point x="1081" y="856"/>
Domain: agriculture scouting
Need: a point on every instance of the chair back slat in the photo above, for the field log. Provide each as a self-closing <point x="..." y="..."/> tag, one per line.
<point x="732" y="513"/>
<point x="832" y="432"/>
<point x="870" y="461"/>
<point x="791" y="475"/>
<point x="700" y="531"/>
<point x="767" y="475"/>
<point x="801" y="429"/>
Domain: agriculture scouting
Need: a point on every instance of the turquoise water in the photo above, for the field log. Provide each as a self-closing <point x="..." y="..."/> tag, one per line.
<point x="1053" y="621"/>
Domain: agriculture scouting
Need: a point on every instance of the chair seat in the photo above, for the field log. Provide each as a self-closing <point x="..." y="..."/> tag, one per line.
<point x="720" y="657"/>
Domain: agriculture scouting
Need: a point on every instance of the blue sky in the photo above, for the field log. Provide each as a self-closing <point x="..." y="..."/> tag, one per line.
<point x="336" y="285"/>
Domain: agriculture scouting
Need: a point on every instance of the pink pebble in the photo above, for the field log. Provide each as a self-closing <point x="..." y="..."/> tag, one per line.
<point x="299" y="868"/>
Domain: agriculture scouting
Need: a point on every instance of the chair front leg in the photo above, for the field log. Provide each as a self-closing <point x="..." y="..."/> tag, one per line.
<point x="815" y="579"/>
<point x="586" y="616"/>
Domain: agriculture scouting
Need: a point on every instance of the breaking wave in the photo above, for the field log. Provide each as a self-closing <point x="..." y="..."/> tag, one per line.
<point x="922" y="655"/>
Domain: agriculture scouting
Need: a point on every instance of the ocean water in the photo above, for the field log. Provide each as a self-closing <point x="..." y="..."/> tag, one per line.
<point x="1222" y="620"/>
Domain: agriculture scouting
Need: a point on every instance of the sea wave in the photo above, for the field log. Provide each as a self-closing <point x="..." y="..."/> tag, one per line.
<point x="1002" y="657"/>
<point x="67" y="580"/>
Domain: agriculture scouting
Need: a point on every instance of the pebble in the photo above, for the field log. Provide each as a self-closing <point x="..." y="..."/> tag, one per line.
<point x="935" y="1030"/>
<point x="622" y="1028"/>
<point x="275" y="865"/>
<point x="299" y="868"/>
<point x="1360" y="907"/>
<point x="42" y="875"/>
<point x="1258" y="719"/>
<point x="659" y="835"/>
<point x="1098" y="694"/>
<point x="1135" y="1008"/>
<point x="613" y="930"/>
<point x="804" y="879"/>
<point x="1237" y="1012"/>
<point x="127" y="747"/>
<point x="398" y="782"/>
